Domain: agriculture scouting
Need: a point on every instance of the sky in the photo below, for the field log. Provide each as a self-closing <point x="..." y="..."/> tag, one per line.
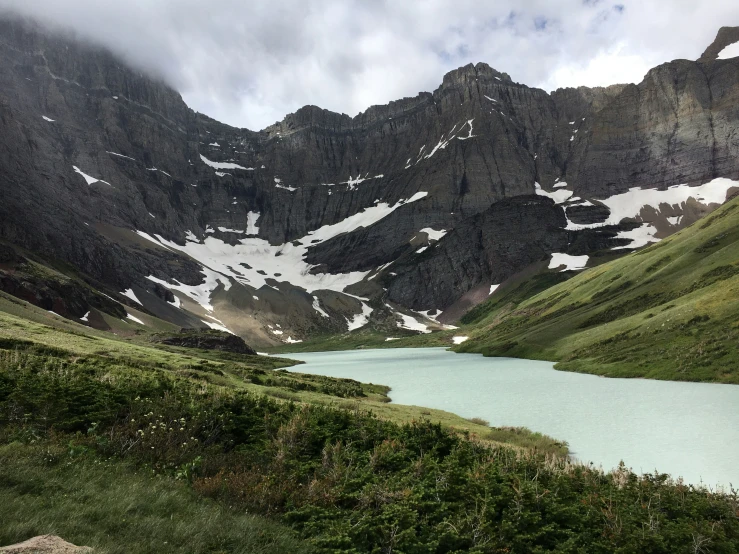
<point x="249" y="63"/>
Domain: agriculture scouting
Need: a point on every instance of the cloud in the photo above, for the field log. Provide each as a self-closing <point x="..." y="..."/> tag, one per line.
<point x="250" y="63"/>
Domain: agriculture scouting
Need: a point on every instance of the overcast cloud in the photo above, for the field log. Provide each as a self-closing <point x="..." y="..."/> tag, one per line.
<point x="249" y="63"/>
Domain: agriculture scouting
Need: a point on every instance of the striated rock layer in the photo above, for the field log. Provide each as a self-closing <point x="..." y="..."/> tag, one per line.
<point x="101" y="165"/>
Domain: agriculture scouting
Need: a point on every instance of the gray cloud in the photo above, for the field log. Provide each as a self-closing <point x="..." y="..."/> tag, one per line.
<point x="250" y="63"/>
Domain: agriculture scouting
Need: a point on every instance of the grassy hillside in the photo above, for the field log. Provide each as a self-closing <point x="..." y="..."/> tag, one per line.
<point x="26" y="328"/>
<point x="670" y="311"/>
<point x="129" y="457"/>
<point x="129" y="445"/>
<point x="114" y="507"/>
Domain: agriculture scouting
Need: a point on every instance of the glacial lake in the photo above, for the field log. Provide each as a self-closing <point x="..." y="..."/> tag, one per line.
<point x="684" y="429"/>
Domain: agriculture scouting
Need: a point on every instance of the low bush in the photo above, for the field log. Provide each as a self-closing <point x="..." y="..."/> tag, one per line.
<point x="342" y="479"/>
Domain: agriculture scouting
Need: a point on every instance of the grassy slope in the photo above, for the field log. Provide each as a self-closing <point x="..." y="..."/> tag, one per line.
<point x="336" y="478"/>
<point x="115" y="508"/>
<point x="22" y="323"/>
<point x="670" y="311"/>
<point x="84" y="441"/>
<point x="364" y="339"/>
<point x="43" y="486"/>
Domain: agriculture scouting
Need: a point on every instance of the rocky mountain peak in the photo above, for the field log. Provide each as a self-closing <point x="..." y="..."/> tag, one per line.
<point x="469" y="73"/>
<point x="316" y="221"/>
<point x="725" y="37"/>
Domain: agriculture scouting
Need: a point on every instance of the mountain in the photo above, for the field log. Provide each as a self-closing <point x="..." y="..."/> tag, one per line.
<point x="667" y="312"/>
<point x="402" y="217"/>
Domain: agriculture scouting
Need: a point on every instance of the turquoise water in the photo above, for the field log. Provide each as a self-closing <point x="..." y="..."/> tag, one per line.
<point x="685" y="429"/>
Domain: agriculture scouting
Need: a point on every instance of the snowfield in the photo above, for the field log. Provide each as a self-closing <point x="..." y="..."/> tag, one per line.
<point x="224" y="165"/>
<point x="571" y="263"/>
<point x="253" y="261"/>
<point x="559" y="196"/>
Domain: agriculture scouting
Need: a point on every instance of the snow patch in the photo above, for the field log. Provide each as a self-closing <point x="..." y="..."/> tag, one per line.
<point x="469" y="135"/>
<point x="85" y="317"/>
<point x="354" y="181"/>
<point x="48" y="119"/>
<point x="279" y="185"/>
<point x="630" y="203"/>
<point x="134" y="318"/>
<point x="218" y="326"/>
<point x="493" y="288"/>
<point x="88" y="179"/>
<point x="640" y="236"/>
<point x="290" y="340"/>
<point x="459" y="340"/>
<point x="379" y="270"/>
<point x="359" y="320"/>
<point x="224" y="165"/>
<point x="730" y="51"/>
<point x="581" y="203"/>
<point x="571" y="263"/>
<point x="317" y="307"/>
<point x="559" y="196"/>
<point x="198" y="293"/>
<point x="291" y="189"/>
<point x="130" y="294"/>
<point x="120" y="155"/>
<point x="433" y="234"/>
<point x="251" y="223"/>
<point x="411" y="323"/>
<point x="675" y="220"/>
<point x="222" y="262"/>
<point x="422" y="249"/>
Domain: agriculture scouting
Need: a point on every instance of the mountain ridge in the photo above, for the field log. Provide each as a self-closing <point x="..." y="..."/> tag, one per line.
<point x="111" y="166"/>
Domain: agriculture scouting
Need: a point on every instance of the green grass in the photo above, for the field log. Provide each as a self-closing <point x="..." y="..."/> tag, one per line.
<point x="116" y="508"/>
<point x="669" y="311"/>
<point x="126" y="458"/>
<point x="25" y="327"/>
<point x="366" y="338"/>
<point x="526" y="440"/>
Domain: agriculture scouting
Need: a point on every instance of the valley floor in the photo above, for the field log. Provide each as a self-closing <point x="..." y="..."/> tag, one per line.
<point x="125" y="445"/>
<point x="668" y="312"/>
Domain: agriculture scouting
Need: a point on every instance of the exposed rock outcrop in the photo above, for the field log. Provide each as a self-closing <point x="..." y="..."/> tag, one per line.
<point x="45" y="544"/>
<point x="98" y="162"/>
<point x="210" y="339"/>
<point x="725" y="37"/>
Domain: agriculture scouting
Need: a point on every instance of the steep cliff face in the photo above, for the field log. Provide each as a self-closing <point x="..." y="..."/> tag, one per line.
<point x="106" y="169"/>
<point x="677" y="126"/>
